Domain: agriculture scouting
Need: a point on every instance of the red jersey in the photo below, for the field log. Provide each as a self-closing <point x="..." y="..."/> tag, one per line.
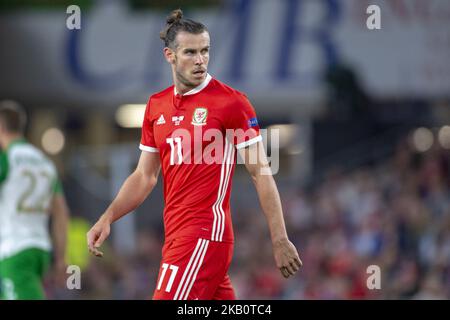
<point x="196" y="135"/>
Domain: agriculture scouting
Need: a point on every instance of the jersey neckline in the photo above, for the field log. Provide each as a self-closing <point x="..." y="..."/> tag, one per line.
<point x="197" y="89"/>
<point x="15" y="142"/>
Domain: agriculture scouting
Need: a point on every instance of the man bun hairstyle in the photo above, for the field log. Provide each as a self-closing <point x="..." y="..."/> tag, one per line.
<point x="174" y="16"/>
<point x="174" y="24"/>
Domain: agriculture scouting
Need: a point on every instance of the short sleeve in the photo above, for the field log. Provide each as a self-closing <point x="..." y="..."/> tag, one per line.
<point x="147" y="138"/>
<point x="3" y="166"/>
<point x="57" y="187"/>
<point x="243" y="121"/>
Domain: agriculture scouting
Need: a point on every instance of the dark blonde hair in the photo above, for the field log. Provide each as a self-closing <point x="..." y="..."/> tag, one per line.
<point x="175" y="23"/>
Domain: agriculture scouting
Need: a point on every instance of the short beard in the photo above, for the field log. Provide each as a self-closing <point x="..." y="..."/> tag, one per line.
<point x="182" y="78"/>
<point x="184" y="81"/>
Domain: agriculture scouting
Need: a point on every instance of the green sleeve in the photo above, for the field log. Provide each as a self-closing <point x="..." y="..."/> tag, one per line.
<point x="57" y="187"/>
<point x="3" y="166"/>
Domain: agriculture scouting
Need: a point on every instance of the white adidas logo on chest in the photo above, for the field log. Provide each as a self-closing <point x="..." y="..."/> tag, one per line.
<point x="161" y="120"/>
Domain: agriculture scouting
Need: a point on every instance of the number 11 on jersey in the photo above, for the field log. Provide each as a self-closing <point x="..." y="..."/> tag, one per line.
<point x="172" y="142"/>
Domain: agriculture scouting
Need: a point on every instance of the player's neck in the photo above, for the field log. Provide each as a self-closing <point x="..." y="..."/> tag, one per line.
<point x="7" y="139"/>
<point x="181" y="88"/>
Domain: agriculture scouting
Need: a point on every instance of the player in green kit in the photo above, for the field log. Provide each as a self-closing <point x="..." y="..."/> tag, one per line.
<point x="30" y="195"/>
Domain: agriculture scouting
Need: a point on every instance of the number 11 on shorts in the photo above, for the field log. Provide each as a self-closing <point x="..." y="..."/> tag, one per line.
<point x="173" y="269"/>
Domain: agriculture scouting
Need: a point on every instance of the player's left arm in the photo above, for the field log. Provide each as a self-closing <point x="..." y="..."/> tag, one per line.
<point x="285" y="253"/>
<point x="60" y="214"/>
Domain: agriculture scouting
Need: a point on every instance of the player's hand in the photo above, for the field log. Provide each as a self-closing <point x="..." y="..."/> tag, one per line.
<point x="98" y="233"/>
<point x="286" y="257"/>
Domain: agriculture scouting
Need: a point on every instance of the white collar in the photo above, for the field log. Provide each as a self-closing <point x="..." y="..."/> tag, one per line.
<point x="197" y="89"/>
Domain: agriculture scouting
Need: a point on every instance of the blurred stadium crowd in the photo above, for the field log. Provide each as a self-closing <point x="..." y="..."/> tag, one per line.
<point x="395" y="215"/>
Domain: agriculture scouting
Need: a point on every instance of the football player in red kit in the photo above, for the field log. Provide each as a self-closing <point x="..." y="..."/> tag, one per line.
<point x="192" y="131"/>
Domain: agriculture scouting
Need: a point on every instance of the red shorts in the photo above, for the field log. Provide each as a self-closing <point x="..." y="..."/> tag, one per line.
<point x="194" y="269"/>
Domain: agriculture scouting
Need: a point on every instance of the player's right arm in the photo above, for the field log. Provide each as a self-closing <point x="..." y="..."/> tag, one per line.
<point x="132" y="193"/>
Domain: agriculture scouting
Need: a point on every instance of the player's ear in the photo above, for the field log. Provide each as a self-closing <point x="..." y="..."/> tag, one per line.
<point x="169" y="54"/>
